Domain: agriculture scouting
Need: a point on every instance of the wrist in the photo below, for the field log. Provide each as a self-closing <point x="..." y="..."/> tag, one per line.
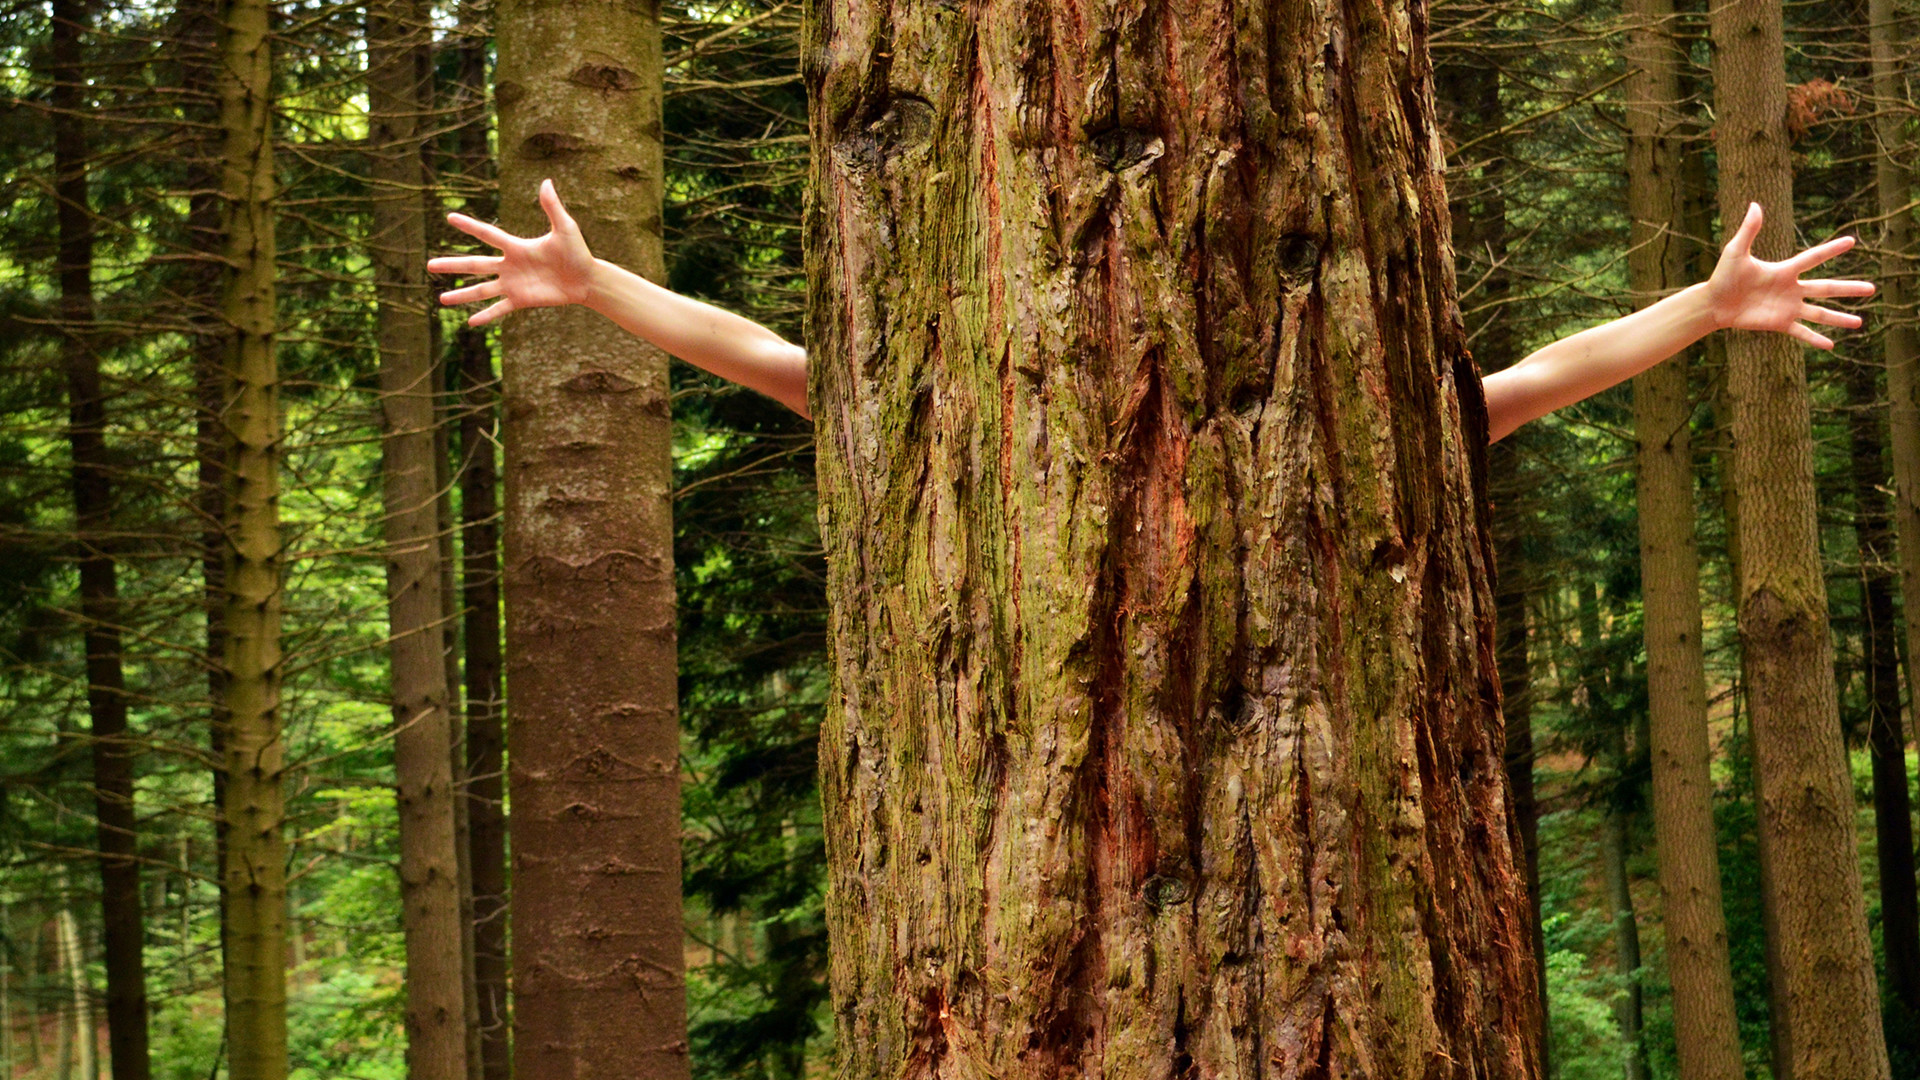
<point x="597" y="288"/>
<point x="1703" y="313"/>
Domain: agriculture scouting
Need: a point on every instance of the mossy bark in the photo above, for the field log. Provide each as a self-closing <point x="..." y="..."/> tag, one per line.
<point x="593" y="743"/>
<point x="1825" y="989"/>
<point x="1165" y="735"/>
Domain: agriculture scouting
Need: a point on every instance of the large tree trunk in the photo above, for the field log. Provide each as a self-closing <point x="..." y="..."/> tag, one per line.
<point x="599" y="979"/>
<point x="254" y="803"/>
<point x="1706" y="1034"/>
<point x="1164" y="739"/>
<point x="432" y="921"/>
<point x="1829" y="993"/>
<point x="123" y="927"/>
<point x="1903" y="393"/>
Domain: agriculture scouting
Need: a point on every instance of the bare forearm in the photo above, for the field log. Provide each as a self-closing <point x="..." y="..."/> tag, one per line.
<point x="737" y="349"/>
<point x="1577" y="367"/>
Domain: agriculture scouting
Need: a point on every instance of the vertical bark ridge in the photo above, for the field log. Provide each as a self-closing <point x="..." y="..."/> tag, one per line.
<point x="1115" y="392"/>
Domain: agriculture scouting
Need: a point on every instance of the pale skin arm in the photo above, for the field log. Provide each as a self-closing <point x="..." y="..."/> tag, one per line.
<point x="557" y="269"/>
<point x="1743" y="292"/>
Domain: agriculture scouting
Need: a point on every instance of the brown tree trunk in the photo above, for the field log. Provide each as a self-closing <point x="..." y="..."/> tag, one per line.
<point x="479" y="481"/>
<point x="195" y="40"/>
<point x="1164" y="739"/>
<point x="1706" y="1033"/>
<point x="123" y="936"/>
<point x="599" y="983"/>
<point x="1902" y="350"/>
<point x="480" y="580"/>
<point x="254" y="802"/>
<point x="1886" y="735"/>
<point x="1829" y="992"/>
<point x="423" y="735"/>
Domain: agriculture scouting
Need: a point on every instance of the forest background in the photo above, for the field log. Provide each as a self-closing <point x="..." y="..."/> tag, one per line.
<point x="1532" y="92"/>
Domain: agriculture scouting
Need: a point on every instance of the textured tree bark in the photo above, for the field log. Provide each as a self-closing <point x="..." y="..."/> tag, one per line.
<point x="123" y="926"/>
<point x="1828" y="991"/>
<point x="599" y="982"/>
<point x="254" y="803"/>
<point x="1706" y="1033"/>
<point x="1895" y="189"/>
<point x="432" y="920"/>
<point x="1886" y="735"/>
<point x="1165" y="734"/>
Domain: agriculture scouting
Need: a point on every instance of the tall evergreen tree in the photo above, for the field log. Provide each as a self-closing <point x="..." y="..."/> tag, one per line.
<point x="599" y="985"/>
<point x="1830" y="1015"/>
<point x="253" y="805"/>
<point x="124" y="932"/>
<point x="398" y="104"/>
<point x="1659" y="260"/>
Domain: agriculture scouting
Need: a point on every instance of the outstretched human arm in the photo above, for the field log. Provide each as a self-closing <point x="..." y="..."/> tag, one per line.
<point x="1744" y="293"/>
<point x="557" y="269"/>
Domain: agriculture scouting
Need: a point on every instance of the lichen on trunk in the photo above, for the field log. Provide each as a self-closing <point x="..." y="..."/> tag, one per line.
<point x="1165" y="738"/>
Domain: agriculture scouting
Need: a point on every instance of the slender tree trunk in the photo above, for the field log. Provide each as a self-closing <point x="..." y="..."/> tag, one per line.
<point x="196" y="40"/>
<point x="123" y="926"/>
<point x="479" y="481"/>
<point x="1628" y="1011"/>
<point x="1516" y="697"/>
<point x="423" y="734"/>
<point x="80" y="1063"/>
<point x="1706" y="1033"/>
<point x="599" y="983"/>
<point x="1628" y="1008"/>
<point x="254" y="807"/>
<point x="7" y="1050"/>
<point x="1886" y="736"/>
<point x="1902" y="350"/>
<point x="1164" y="739"/>
<point x="1830" y="994"/>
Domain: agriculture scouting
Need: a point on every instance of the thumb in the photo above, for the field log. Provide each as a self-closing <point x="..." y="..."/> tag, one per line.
<point x="1741" y="243"/>
<point x="557" y="215"/>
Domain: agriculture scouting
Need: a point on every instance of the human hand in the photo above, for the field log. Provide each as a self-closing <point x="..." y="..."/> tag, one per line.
<point x="547" y="271"/>
<point x="1746" y="293"/>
